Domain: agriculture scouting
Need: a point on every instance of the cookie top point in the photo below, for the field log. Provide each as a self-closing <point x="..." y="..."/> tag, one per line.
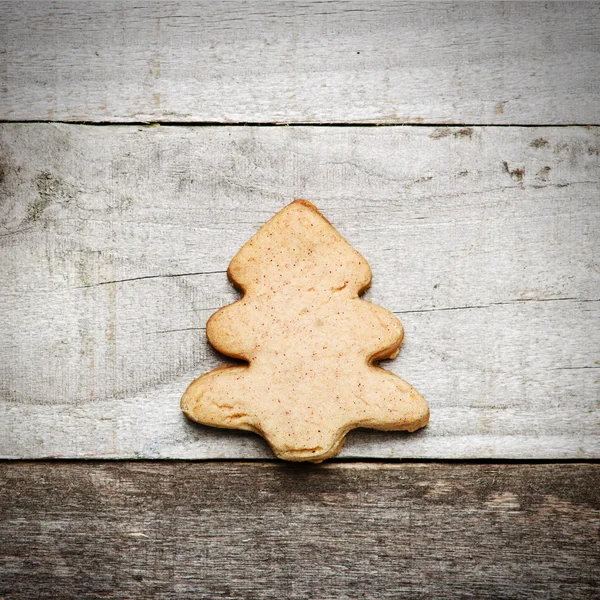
<point x="299" y="245"/>
<point x="305" y="203"/>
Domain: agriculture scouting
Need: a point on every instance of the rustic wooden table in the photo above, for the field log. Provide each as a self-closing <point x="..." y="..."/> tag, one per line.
<point x="455" y="145"/>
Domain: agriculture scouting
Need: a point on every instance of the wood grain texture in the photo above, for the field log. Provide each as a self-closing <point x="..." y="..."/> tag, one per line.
<point x="311" y="62"/>
<point x="115" y="241"/>
<point x="227" y="530"/>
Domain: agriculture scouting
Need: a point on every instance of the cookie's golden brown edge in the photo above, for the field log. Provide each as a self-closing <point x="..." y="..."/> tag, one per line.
<point x="391" y="351"/>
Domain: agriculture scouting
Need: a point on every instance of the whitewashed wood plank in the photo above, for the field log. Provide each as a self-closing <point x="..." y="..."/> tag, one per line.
<point x="115" y="242"/>
<point x="312" y="62"/>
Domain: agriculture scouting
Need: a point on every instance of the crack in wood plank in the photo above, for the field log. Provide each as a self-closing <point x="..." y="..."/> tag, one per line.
<point x="162" y="276"/>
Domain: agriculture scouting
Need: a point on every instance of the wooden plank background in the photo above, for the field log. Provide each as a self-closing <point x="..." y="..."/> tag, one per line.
<point x="307" y="62"/>
<point x="484" y="241"/>
<point x="480" y="219"/>
<point x="219" y="530"/>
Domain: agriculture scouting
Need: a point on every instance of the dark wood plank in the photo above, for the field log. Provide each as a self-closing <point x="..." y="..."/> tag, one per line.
<point x="270" y="530"/>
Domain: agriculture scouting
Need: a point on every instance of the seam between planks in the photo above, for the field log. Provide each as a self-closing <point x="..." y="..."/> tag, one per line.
<point x="338" y="462"/>
<point x="287" y="124"/>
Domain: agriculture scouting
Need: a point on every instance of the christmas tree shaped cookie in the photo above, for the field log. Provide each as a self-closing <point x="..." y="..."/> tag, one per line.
<point x="310" y="342"/>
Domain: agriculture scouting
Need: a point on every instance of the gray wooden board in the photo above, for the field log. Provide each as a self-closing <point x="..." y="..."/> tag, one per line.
<point x="230" y="530"/>
<point x="312" y="62"/>
<point x="115" y="241"/>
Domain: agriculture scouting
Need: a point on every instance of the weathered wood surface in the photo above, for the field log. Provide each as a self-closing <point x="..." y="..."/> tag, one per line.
<point x="115" y="242"/>
<point x="312" y="62"/>
<point x="227" y="530"/>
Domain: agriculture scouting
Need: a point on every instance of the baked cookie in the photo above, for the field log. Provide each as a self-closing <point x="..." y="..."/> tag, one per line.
<point x="310" y="343"/>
